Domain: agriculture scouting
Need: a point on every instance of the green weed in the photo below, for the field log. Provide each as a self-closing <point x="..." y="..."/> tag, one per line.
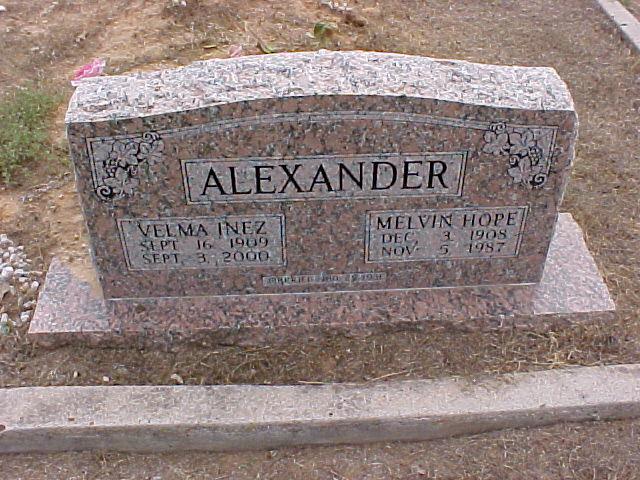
<point x="24" y="137"/>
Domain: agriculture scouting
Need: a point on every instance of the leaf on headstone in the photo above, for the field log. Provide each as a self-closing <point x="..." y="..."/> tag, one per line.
<point x="324" y="30"/>
<point x="265" y="47"/>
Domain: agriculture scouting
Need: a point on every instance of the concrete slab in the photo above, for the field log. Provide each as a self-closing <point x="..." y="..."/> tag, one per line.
<point x="628" y="25"/>
<point x="71" y="308"/>
<point x="245" y="417"/>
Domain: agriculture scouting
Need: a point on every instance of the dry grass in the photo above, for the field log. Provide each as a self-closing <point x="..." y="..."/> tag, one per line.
<point x="600" y="451"/>
<point x="572" y="36"/>
<point x="633" y="6"/>
<point x="398" y="355"/>
<point x="600" y="71"/>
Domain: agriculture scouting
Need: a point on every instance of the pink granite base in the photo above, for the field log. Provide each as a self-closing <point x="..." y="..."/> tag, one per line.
<point x="72" y="310"/>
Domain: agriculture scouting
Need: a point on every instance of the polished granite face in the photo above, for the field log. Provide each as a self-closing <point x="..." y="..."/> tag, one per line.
<point x="320" y="172"/>
<point x="72" y="309"/>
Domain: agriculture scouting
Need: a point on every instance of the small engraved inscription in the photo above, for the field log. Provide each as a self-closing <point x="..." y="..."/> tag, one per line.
<point x="323" y="177"/>
<point x="320" y="278"/>
<point x="456" y="233"/>
<point x="203" y="242"/>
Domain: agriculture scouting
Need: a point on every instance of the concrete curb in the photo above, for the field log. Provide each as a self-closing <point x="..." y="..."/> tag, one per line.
<point x="628" y="25"/>
<point x="243" y="417"/>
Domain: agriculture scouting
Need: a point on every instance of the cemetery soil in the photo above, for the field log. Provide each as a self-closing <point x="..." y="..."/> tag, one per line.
<point x="633" y="6"/>
<point x="40" y="210"/>
<point x="577" y="452"/>
<point x="46" y="40"/>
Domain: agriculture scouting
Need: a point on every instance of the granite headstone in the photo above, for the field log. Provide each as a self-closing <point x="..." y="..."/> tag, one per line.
<point x="320" y="172"/>
<point x="310" y="173"/>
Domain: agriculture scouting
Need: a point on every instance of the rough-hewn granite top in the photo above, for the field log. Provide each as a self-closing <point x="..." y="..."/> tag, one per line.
<point x="214" y="82"/>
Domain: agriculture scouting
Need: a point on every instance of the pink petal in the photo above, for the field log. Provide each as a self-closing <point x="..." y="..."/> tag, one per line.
<point x="235" y="51"/>
<point x="93" y="69"/>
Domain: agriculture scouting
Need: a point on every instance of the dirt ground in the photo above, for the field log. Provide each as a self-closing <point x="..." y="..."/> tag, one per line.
<point x="594" y="451"/>
<point x="601" y="72"/>
<point x="633" y="6"/>
<point x="46" y="40"/>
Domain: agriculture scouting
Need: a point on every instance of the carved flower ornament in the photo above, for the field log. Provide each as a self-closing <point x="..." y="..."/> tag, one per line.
<point x="126" y="160"/>
<point x="527" y="163"/>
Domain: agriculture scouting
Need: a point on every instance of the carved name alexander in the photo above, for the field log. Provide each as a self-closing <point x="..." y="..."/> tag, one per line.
<point x="323" y="176"/>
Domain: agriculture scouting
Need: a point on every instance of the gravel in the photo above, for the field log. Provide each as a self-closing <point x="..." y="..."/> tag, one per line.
<point x="18" y="286"/>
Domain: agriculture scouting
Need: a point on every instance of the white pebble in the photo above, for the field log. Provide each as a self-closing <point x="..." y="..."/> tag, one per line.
<point x="7" y="273"/>
<point x="21" y="283"/>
